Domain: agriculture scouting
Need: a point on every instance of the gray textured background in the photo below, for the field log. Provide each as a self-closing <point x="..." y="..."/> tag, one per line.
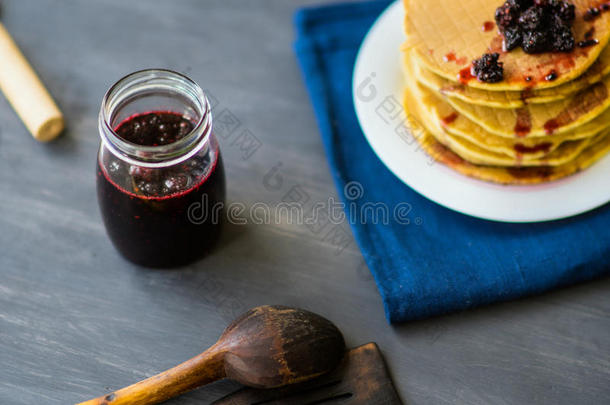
<point x="76" y="320"/>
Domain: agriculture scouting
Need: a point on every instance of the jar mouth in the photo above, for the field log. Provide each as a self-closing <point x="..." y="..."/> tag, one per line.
<point x="137" y="86"/>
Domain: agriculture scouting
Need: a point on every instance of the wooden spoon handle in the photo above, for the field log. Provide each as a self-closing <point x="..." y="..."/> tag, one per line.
<point x="26" y="93"/>
<point x="200" y="370"/>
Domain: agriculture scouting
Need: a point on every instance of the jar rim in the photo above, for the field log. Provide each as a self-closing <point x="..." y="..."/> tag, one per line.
<point x="160" y="155"/>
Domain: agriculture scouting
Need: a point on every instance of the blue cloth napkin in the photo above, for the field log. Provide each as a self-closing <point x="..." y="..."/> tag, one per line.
<point x="446" y="261"/>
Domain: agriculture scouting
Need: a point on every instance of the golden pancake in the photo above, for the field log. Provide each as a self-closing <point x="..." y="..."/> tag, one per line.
<point x="510" y="175"/>
<point x="515" y="99"/>
<point x="537" y="120"/>
<point x="479" y="153"/>
<point x="447" y="36"/>
<point x="516" y="148"/>
<point x="497" y="174"/>
<point x="440" y="149"/>
<point x="472" y="153"/>
<point x="439" y="114"/>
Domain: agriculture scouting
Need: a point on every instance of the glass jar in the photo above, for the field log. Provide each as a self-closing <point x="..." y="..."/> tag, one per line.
<point x="160" y="177"/>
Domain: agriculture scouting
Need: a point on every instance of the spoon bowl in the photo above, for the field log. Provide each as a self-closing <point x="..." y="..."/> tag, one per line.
<point x="267" y="347"/>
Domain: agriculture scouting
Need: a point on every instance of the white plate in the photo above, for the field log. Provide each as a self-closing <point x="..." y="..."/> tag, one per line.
<point x="377" y="93"/>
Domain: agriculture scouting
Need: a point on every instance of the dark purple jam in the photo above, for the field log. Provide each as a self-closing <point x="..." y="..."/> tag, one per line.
<point x="161" y="217"/>
<point x="551" y="76"/>
<point x="588" y="42"/>
<point x="154" y="128"/>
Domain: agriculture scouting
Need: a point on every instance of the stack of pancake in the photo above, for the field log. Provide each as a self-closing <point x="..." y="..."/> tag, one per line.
<point x="548" y="118"/>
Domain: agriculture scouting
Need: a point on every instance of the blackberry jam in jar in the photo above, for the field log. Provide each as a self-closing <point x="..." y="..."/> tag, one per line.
<point x="160" y="177"/>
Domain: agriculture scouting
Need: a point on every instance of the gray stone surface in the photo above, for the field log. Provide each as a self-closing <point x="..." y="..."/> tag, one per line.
<point x="76" y="320"/>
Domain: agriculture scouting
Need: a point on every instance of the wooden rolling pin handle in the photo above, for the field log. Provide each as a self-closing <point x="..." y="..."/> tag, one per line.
<point x="205" y="368"/>
<point x="26" y="93"/>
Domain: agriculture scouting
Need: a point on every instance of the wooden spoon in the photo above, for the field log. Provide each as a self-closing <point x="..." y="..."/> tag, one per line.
<point x="26" y="92"/>
<point x="267" y="347"/>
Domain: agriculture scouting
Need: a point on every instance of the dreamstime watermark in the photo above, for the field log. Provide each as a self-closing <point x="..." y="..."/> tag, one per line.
<point x="325" y="219"/>
<point x="293" y="213"/>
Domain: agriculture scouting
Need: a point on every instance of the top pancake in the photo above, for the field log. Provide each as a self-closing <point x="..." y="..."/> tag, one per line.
<point x="438" y="28"/>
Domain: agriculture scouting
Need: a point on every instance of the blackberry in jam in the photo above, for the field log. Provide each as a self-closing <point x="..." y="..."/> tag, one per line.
<point x="533" y="19"/>
<point x="535" y="42"/>
<point x="488" y="69"/>
<point x="563" y="40"/>
<point x="564" y="10"/>
<point x="507" y="16"/>
<point x="512" y="38"/>
<point x="537" y="26"/>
